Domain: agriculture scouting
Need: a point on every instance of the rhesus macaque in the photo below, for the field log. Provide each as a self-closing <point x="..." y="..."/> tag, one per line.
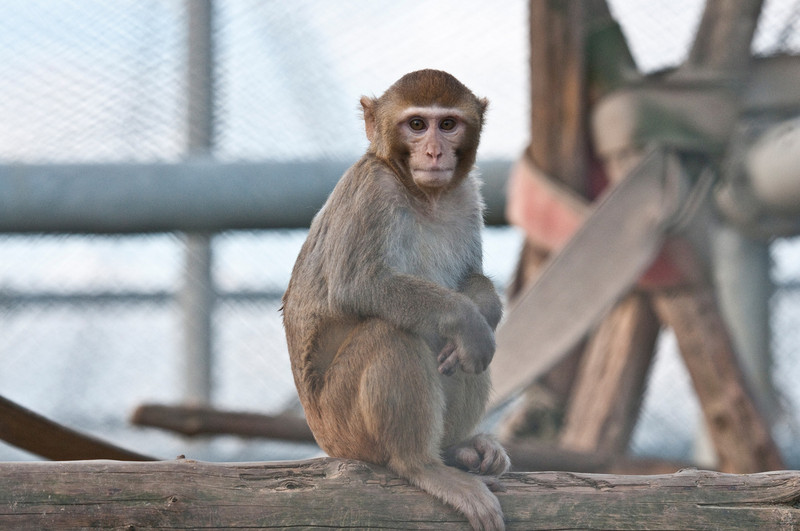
<point x="389" y="318"/>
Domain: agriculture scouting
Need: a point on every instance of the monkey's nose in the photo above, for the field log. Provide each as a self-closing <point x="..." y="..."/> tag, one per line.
<point x="434" y="152"/>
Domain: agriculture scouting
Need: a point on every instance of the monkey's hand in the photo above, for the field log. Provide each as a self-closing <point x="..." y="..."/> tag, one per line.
<point x="471" y="347"/>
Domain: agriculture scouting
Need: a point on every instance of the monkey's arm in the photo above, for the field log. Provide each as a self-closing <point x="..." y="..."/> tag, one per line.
<point x="425" y="308"/>
<point x="481" y="291"/>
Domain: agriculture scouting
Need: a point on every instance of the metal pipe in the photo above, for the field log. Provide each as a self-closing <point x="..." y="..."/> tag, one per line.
<point x="197" y="294"/>
<point x="193" y="196"/>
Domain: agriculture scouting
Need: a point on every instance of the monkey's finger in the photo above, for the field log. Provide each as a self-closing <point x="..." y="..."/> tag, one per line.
<point x="446" y="351"/>
<point x="493" y="484"/>
<point x="495" y="462"/>
<point x="449" y="365"/>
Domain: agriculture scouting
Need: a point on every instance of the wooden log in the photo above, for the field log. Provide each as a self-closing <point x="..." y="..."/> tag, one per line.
<point x="323" y="493"/>
<point x="32" y="432"/>
<point x="740" y="434"/>
<point x="201" y="420"/>
<point x="531" y="455"/>
<point x="608" y="389"/>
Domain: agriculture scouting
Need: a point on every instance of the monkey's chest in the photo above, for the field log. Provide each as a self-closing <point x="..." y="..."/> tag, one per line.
<point x="436" y="252"/>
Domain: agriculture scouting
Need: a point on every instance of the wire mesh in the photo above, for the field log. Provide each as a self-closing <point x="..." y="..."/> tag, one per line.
<point x="90" y="325"/>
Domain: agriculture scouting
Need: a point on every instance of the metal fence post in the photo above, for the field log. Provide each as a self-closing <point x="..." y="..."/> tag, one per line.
<point x="198" y="294"/>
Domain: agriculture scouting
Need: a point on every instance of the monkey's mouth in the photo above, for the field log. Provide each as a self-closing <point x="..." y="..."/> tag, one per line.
<point x="432" y="177"/>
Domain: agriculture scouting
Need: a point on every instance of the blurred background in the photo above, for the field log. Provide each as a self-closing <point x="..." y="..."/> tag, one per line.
<point x="91" y="326"/>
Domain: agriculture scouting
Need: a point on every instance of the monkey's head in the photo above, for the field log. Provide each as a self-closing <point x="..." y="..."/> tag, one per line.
<point x="426" y="127"/>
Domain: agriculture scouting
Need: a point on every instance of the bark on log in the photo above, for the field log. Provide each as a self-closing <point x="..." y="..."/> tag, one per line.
<point x="344" y="494"/>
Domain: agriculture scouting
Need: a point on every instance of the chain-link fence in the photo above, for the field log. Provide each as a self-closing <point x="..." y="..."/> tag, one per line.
<point x="90" y="325"/>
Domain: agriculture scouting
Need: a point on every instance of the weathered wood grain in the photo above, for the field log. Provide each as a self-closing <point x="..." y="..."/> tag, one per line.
<point x="322" y="493"/>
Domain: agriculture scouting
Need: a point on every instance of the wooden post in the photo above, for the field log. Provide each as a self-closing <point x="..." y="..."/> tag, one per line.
<point x="558" y="90"/>
<point x="740" y="435"/>
<point x="333" y="493"/>
<point x="604" y="404"/>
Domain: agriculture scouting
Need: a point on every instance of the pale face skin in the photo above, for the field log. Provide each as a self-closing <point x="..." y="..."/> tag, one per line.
<point x="432" y="134"/>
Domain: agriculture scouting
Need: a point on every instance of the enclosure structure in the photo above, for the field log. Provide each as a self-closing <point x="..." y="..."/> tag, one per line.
<point x="563" y="140"/>
<point x="596" y="124"/>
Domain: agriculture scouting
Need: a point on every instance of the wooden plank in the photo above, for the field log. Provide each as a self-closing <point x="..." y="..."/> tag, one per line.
<point x="740" y="434"/>
<point x="341" y="494"/>
<point x="608" y="389"/>
<point x="32" y="432"/>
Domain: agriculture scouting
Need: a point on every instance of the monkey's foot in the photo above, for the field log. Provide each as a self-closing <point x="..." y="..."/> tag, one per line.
<point x="481" y="454"/>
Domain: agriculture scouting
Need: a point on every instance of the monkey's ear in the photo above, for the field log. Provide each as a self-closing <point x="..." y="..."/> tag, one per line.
<point x="484" y="104"/>
<point x="368" y="106"/>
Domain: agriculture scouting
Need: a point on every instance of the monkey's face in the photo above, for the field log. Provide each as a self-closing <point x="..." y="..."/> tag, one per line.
<point x="426" y="127"/>
<point x="434" y="138"/>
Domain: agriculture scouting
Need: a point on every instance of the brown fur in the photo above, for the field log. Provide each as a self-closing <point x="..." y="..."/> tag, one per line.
<point x="387" y="300"/>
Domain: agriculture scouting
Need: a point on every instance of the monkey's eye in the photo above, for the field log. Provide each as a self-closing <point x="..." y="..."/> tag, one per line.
<point x="448" y="124"/>
<point x="416" y="124"/>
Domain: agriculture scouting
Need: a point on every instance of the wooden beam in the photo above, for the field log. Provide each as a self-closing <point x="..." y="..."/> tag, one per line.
<point x="323" y="493"/>
<point x="33" y="433"/>
<point x="199" y="420"/>
<point x="525" y="455"/>
<point x="557" y="131"/>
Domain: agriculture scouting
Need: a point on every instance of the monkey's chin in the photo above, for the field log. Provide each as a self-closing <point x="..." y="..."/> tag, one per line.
<point x="432" y="179"/>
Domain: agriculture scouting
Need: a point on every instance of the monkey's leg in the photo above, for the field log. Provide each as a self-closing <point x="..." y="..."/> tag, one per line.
<point x="466" y="396"/>
<point x="397" y="403"/>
